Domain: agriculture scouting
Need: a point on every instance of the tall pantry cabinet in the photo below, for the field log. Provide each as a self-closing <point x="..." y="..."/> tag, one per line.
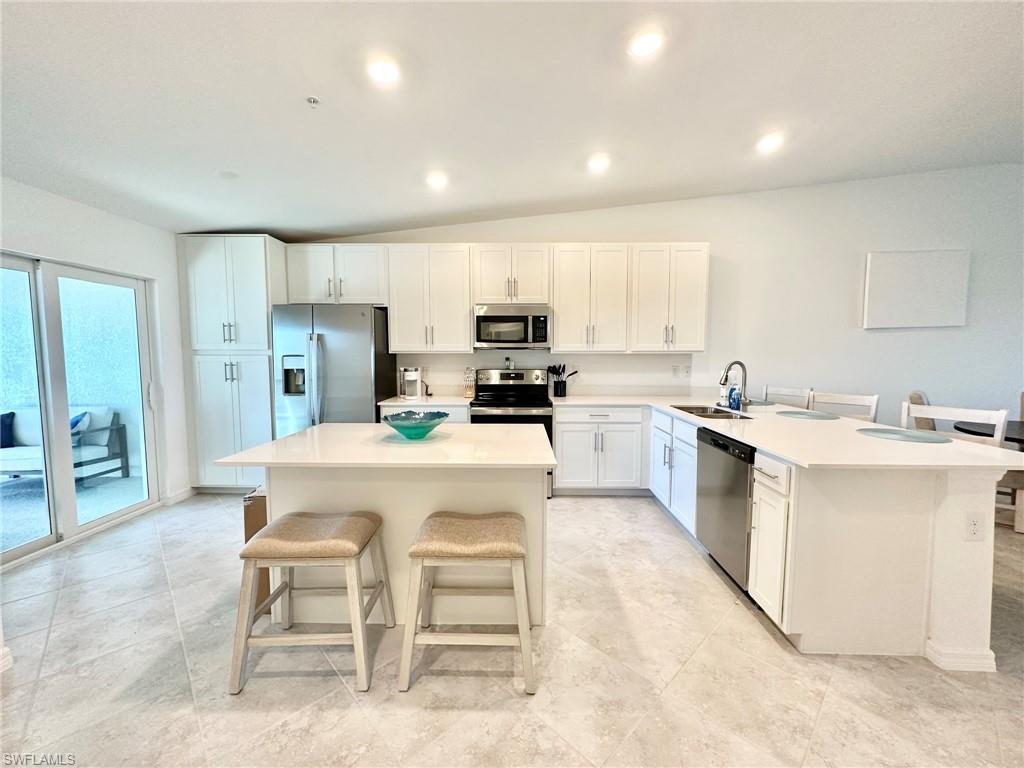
<point x="228" y="285"/>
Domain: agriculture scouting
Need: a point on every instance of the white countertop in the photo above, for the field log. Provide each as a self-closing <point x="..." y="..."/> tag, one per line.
<point x="427" y="402"/>
<point x="455" y="446"/>
<point x="834" y="443"/>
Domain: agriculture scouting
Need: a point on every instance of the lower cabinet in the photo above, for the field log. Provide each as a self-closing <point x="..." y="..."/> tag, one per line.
<point x="598" y="455"/>
<point x="768" y="526"/>
<point x="683" y="465"/>
<point x="231" y="412"/>
<point x="661" y="466"/>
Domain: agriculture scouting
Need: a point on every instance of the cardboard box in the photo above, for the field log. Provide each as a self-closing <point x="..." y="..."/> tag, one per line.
<point x="254" y="511"/>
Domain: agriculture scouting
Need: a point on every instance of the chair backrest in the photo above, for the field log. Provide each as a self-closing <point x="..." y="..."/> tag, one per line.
<point x="942" y="413"/>
<point x="863" y="407"/>
<point x="800" y="398"/>
<point x="917" y="397"/>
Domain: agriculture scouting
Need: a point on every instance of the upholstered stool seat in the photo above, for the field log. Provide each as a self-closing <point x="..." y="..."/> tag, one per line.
<point x="453" y="534"/>
<point x="452" y="539"/>
<point x="307" y="539"/>
<point x="310" y="535"/>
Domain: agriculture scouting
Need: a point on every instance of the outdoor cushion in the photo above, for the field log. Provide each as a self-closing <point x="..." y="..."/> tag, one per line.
<point x="28" y="426"/>
<point x="29" y="458"/>
<point x="79" y="423"/>
<point x="99" y="416"/>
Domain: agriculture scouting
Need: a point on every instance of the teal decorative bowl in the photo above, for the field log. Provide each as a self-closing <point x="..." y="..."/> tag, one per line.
<point x="414" y="425"/>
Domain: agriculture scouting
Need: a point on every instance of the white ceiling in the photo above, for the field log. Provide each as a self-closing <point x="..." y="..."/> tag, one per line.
<point x="136" y="107"/>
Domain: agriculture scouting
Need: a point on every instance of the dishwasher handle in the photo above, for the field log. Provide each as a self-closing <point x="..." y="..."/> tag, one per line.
<point x="734" y="448"/>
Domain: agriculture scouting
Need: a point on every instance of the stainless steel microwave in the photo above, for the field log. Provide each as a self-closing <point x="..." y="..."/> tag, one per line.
<point x="512" y="326"/>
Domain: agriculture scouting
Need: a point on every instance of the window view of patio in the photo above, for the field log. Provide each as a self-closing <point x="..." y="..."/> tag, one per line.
<point x="104" y="385"/>
<point x="24" y="510"/>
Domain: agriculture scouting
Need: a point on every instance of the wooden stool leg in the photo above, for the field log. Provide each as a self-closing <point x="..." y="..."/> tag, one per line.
<point x="523" y="618"/>
<point x="356" y="608"/>
<point x="287" y="614"/>
<point x="427" y="596"/>
<point x="243" y="627"/>
<point x="411" y="617"/>
<point x="1018" y="510"/>
<point x="380" y="570"/>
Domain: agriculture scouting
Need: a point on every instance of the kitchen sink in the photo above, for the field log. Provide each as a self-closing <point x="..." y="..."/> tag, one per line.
<point x="709" y="412"/>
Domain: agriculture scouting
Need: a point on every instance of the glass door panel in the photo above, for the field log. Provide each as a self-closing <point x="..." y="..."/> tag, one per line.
<point x="26" y="521"/>
<point x="105" y="369"/>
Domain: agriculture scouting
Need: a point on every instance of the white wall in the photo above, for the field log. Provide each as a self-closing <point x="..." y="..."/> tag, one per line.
<point x="44" y="225"/>
<point x="786" y="278"/>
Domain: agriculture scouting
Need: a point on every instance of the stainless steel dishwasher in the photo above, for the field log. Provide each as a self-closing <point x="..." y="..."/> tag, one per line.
<point x="724" y="477"/>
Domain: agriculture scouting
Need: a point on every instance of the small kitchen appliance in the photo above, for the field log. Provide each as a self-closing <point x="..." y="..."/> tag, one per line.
<point x="410" y="383"/>
<point x="511" y="326"/>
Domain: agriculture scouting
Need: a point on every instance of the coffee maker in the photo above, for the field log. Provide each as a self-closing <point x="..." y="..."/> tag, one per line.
<point x="410" y="383"/>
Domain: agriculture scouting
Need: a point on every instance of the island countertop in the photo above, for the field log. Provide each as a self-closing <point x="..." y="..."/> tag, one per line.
<point x="454" y="446"/>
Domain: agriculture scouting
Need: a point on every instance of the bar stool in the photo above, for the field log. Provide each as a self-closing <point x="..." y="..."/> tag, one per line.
<point x="307" y="539"/>
<point x="452" y="539"/>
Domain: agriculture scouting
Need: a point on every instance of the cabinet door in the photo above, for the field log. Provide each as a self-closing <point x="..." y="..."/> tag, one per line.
<point x="651" y="271"/>
<point x="688" y="317"/>
<point x="408" y="303"/>
<point x="250" y="318"/>
<point x="576" y="452"/>
<point x="621" y="454"/>
<point x="609" y="295"/>
<point x="451" y="303"/>
<point x="769" y="517"/>
<point x="252" y="409"/>
<point x="311" y="274"/>
<point x="684" y="484"/>
<point x="362" y="274"/>
<point x="213" y="418"/>
<point x="206" y="270"/>
<point x="661" y="475"/>
<point x="571" y="298"/>
<point x="531" y="269"/>
<point x="492" y="273"/>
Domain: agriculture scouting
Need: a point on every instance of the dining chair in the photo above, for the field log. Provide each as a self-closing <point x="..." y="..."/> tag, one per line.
<point x="944" y="413"/>
<point x="863" y="407"/>
<point x="917" y="397"/>
<point x="1011" y="488"/>
<point x="799" y="398"/>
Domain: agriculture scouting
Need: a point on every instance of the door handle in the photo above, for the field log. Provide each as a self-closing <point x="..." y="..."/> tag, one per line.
<point x="431" y="335"/>
<point x="593" y="334"/>
<point x="602" y="441"/>
<point x="515" y="287"/>
<point x="664" y="455"/>
<point x="669" y="451"/>
<point x="226" y="378"/>
<point x="224" y="332"/>
<point x="769" y="475"/>
<point x="508" y="287"/>
<point x="234" y="371"/>
<point x="672" y="333"/>
<point x="664" y="335"/>
<point x="587" y="328"/>
<point x="341" y="287"/>
<point x="231" y="333"/>
<point x="426" y="336"/>
<point x="595" y="442"/>
<point x="330" y="288"/>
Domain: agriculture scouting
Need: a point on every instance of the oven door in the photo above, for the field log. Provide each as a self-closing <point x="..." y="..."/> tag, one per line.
<point x="483" y="415"/>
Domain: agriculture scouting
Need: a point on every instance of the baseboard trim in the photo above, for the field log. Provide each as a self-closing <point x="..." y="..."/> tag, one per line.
<point x="601" y="492"/>
<point x="960" y="660"/>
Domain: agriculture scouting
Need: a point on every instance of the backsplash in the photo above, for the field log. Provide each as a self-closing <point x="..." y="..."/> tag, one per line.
<point x="598" y="374"/>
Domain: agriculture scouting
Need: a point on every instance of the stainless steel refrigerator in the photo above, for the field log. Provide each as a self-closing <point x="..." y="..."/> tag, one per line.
<point x="331" y="363"/>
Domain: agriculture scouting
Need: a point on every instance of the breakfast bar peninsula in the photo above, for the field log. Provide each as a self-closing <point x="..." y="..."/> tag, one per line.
<point x="471" y="468"/>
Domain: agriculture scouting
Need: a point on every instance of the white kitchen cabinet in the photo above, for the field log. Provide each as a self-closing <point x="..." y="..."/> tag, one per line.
<point x="661" y="466"/>
<point x="591" y="297"/>
<point x="768" y="527"/>
<point x="515" y="273"/>
<point x="576" y="453"/>
<point x="457" y="414"/>
<point x="231" y="412"/>
<point x="620" y="454"/>
<point x="324" y="273"/>
<point x="230" y="282"/>
<point x="669" y="297"/>
<point x="430" y="307"/>
<point x="683" y="466"/>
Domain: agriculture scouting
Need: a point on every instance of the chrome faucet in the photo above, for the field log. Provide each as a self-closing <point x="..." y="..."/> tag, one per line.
<point x="744" y="400"/>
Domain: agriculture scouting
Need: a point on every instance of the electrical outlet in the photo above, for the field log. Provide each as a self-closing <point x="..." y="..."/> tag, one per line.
<point x="972" y="527"/>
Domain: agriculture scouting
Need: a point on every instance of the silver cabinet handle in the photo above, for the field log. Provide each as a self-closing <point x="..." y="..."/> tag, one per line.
<point x="664" y="335"/>
<point x="769" y="475"/>
<point x="664" y="455"/>
<point x="587" y="329"/>
<point x="341" y="287"/>
<point x="224" y="332"/>
<point x="231" y="333"/>
<point x="330" y="288"/>
<point x="515" y="287"/>
<point x="431" y="335"/>
<point x="602" y="441"/>
<point x="672" y="333"/>
<point x="426" y="335"/>
<point x="593" y="334"/>
<point x="599" y="415"/>
<point x="669" y="450"/>
<point x="234" y="371"/>
<point x="595" y="442"/>
<point x="226" y="372"/>
<point x="508" y="287"/>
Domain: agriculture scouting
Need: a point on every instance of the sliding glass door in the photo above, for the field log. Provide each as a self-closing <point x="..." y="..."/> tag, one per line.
<point x="26" y="515"/>
<point x="76" y="422"/>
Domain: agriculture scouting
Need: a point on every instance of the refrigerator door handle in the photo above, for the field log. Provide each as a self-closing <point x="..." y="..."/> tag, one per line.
<point x="314" y="355"/>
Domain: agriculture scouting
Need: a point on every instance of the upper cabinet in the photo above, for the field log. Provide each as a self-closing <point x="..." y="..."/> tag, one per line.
<point x="230" y="282"/>
<point x="430" y="302"/>
<point x="337" y="274"/>
<point x="590" y="297"/>
<point x="669" y="297"/>
<point x="516" y="273"/>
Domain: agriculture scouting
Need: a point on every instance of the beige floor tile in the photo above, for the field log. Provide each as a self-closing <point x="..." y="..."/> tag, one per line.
<point x="27" y="652"/>
<point x="78" y="600"/>
<point x="97" y="565"/>
<point x="571" y="600"/>
<point x="771" y="709"/>
<point x="134" y="532"/>
<point x="33" y="578"/>
<point x="383" y="645"/>
<point x="15" y="705"/>
<point x="80" y="640"/>
<point x="586" y="697"/>
<point x="205" y="598"/>
<point x="29" y="614"/>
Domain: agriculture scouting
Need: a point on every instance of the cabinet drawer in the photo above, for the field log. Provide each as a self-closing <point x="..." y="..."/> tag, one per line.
<point x="598" y="415"/>
<point x="661" y="420"/>
<point x="772" y="473"/>
<point x="685" y="431"/>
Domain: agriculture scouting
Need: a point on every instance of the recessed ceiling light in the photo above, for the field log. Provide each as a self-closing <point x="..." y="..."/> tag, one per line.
<point x="437" y="180"/>
<point x="645" y="44"/>
<point x="598" y="163"/>
<point x="771" y="142"/>
<point x="383" y="71"/>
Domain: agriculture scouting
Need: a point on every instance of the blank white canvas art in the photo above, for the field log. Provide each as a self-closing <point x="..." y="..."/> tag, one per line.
<point x="916" y="289"/>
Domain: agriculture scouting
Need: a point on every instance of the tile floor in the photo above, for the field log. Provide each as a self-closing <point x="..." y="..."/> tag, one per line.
<point x="122" y="646"/>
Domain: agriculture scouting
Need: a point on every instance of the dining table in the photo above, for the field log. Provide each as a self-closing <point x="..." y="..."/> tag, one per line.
<point x="1014" y="431"/>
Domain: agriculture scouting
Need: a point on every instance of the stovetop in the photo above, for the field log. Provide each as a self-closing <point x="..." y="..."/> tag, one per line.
<point x="517" y="399"/>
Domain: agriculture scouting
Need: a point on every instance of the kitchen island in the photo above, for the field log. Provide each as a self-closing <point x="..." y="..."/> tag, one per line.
<point x="472" y="468"/>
